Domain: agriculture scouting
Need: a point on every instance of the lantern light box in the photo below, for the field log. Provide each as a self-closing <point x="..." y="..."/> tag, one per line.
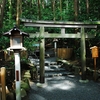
<point x="16" y="38"/>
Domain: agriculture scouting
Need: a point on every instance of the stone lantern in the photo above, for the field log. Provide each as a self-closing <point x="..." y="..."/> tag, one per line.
<point x="16" y="44"/>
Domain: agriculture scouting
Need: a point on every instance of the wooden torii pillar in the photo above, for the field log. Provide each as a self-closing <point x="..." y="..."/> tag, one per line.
<point x="61" y="25"/>
<point x="83" y="54"/>
<point x="42" y="58"/>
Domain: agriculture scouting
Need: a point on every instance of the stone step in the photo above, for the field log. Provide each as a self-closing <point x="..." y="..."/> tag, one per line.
<point x="54" y="68"/>
<point x="55" y="74"/>
<point x="46" y="62"/>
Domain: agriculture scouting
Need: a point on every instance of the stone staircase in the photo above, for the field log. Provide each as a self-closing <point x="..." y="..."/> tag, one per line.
<point x="52" y="69"/>
<point x="55" y="69"/>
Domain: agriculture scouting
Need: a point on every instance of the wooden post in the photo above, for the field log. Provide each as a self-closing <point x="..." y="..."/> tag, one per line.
<point x="83" y="54"/>
<point x="0" y="86"/>
<point x="42" y="53"/>
<point x="3" y="82"/>
<point x="95" y="68"/>
<point x="17" y="74"/>
<point x="95" y="54"/>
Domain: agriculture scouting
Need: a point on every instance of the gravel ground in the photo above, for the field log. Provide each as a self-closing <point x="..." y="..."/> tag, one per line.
<point x="64" y="88"/>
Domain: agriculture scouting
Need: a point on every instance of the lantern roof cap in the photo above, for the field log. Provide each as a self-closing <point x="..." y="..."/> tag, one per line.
<point x="14" y="30"/>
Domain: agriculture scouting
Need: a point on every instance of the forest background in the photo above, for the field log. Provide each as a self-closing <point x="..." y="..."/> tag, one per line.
<point x="50" y="10"/>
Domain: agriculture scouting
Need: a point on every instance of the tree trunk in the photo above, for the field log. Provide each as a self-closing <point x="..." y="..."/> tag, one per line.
<point x="61" y="9"/>
<point x="67" y="5"/>
<point x="87" y="7"/>
<point x="43" y="4"/>
<point x="19" y="2"/>
<point x="76" y="9"/>
<point x="2" y="6"/>
<point x="10" y="10"/>
<point x="39" y="9"/>
<point x="53" y="9"/>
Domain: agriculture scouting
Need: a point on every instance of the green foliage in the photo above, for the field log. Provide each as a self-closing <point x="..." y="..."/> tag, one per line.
<point x="63" y="12"/>
<point x="28" y="43"/>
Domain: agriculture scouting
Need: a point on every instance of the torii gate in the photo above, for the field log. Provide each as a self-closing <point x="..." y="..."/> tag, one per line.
<point x="61" y="25"/>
